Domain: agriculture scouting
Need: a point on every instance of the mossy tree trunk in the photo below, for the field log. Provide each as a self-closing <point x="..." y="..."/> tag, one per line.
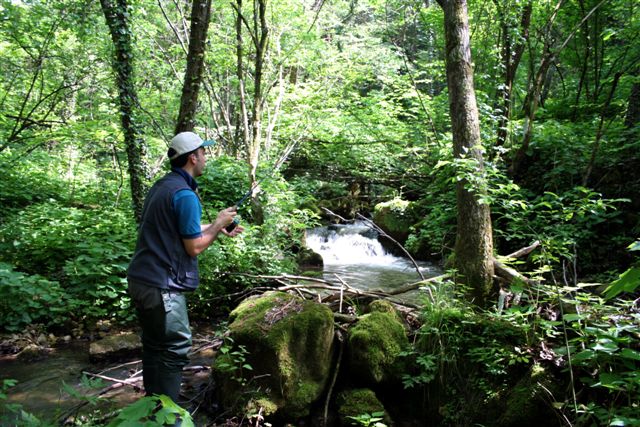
<point x="474" y="240"/>
<point x="200" y="17"/>
<point x="116" y="13"/>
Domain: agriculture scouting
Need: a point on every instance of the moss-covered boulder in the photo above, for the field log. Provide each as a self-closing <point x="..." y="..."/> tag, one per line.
<point x="475" y="358"/>
<point x="375" y="344"/>
<point x="361" y="403"/>
<point x="308" y="258"/>
<point x="527" y="402"/>
<point x="395" y="217"/>
<point x="289" y="344"/>
<point x="116" y="346"/>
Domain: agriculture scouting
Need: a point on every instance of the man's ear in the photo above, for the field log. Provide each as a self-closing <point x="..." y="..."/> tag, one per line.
<point x="193" y="157"/>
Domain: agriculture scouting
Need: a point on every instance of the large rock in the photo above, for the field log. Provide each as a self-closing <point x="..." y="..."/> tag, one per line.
<point x="117" y="346"/>
<point x="288" y="344"/>
<point x="308" y="258"/>
<point x="375" y="344"/>
<point x="360" y="404"/>
<point x="395" y="217"/>
<point x="527" y="402"/>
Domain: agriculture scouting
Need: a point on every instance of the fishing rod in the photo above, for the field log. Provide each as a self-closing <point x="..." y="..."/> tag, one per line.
<point x="283" y="158"/>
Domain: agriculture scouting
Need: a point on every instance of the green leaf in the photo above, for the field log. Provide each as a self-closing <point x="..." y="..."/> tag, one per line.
<point x="136" y="411"/>
<point x="612" y="381"/>
<point x="629" y="281"/>
<point x="572" y="317"/>
<point x="584" y="355"/>
<point x="628" y="353"/>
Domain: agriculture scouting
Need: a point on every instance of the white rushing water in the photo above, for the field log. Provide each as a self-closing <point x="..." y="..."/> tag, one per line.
<point x="348" y="245"/>
<point x="354" y="253"/>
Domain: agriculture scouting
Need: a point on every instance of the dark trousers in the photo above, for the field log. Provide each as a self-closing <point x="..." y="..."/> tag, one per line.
<point x="166" y="338"/>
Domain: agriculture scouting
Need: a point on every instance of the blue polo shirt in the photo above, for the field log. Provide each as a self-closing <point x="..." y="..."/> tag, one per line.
<point x="188" y="208"/>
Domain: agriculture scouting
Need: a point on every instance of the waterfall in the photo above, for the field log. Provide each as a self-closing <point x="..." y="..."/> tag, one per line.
<point x="350" y="244"/>
<point x="354" y="253"/>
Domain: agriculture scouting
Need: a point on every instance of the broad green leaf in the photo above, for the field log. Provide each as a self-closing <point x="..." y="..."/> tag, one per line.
<point x="572" y="317"/>
<point x="584" y="355"/>
<point x="629" y="281"/>
<point x="628" y="353"/>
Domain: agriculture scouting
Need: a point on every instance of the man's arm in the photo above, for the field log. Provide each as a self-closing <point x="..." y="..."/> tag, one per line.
<point x="197" y="245"/>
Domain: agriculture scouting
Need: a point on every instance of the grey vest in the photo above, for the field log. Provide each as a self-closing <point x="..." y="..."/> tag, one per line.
<point x="160" y="259"/>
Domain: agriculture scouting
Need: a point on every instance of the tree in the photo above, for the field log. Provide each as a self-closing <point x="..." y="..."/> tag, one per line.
<point x="474" y="240"/>
<point x="537" y="81"/>
<point x="632" y="117"/>
<point x="116" y="17"/>
<point x="200" y="16"/>
<point x="259" y="32"/>
<point x="514" y="39"/>
<point x="40" y="76"/>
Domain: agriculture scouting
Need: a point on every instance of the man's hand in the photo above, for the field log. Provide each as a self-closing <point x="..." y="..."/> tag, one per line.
<point x="210" y="231"/>
<point x="237" y="230"/>
<point x="225" y="217"/>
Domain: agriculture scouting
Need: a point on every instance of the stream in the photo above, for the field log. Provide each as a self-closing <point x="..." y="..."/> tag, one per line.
<point x="43" y="383"/>
<point x="352" y="252"/>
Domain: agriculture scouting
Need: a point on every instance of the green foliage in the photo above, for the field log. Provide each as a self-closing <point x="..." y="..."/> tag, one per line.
<point x="465" y="358"/>
<point x="232" y="361"/>
<point x="427" y="369"/>
<point x="152" y="411"/>
<point x="461" y="338"/>
<point x="89" y="384"/>
<point x="602" y="352"/>
<point x="30" y="183"/>
<point x="434" y="233"/>
<point x="27" y="299"/>
<point x="364" y="90"/>
<point x="368" y="420"/>
<point x="360" y="407"/>
<point x="265" y="249"/>
<point x="12" y="413"/>
<point x="86" y="250"/>
<point x="566" y="224"/>
<point x="629" y="281"/>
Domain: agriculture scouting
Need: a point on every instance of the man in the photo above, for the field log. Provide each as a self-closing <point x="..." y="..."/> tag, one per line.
<point x="165" y="265"/>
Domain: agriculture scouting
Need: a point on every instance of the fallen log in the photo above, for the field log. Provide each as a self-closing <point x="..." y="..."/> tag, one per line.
<point x="417" y="285"/>
<point x="510" y="274"/>
<point x="524" y="251"/>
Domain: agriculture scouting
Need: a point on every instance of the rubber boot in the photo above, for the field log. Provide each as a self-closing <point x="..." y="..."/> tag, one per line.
<point x="169" y="383"/>
<point x="150" y="379"/>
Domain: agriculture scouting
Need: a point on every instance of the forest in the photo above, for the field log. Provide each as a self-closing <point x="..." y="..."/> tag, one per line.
<point x="498" y="140"/>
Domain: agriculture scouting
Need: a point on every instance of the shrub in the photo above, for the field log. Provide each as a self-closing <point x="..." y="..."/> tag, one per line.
<point x="26" y="299"/>
<point x="86" y="251"/>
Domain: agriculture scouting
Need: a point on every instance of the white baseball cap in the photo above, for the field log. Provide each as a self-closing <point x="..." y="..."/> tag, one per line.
<point x="185" y="142"/>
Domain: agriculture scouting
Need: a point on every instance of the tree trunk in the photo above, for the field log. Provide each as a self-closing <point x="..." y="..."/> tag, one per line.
<point x="474" y="241"/>
<point x="532" y="100"/>
<point x="242" y="126"/>
<point x="633" y="108"/>
<point x="600" y="132"/>
<point x="200" y="16"/>
<point x="260" y="38"/>
<point x="511" y="54"/>
<point x="531" y="104"/>
<point x="115" y="14"/>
